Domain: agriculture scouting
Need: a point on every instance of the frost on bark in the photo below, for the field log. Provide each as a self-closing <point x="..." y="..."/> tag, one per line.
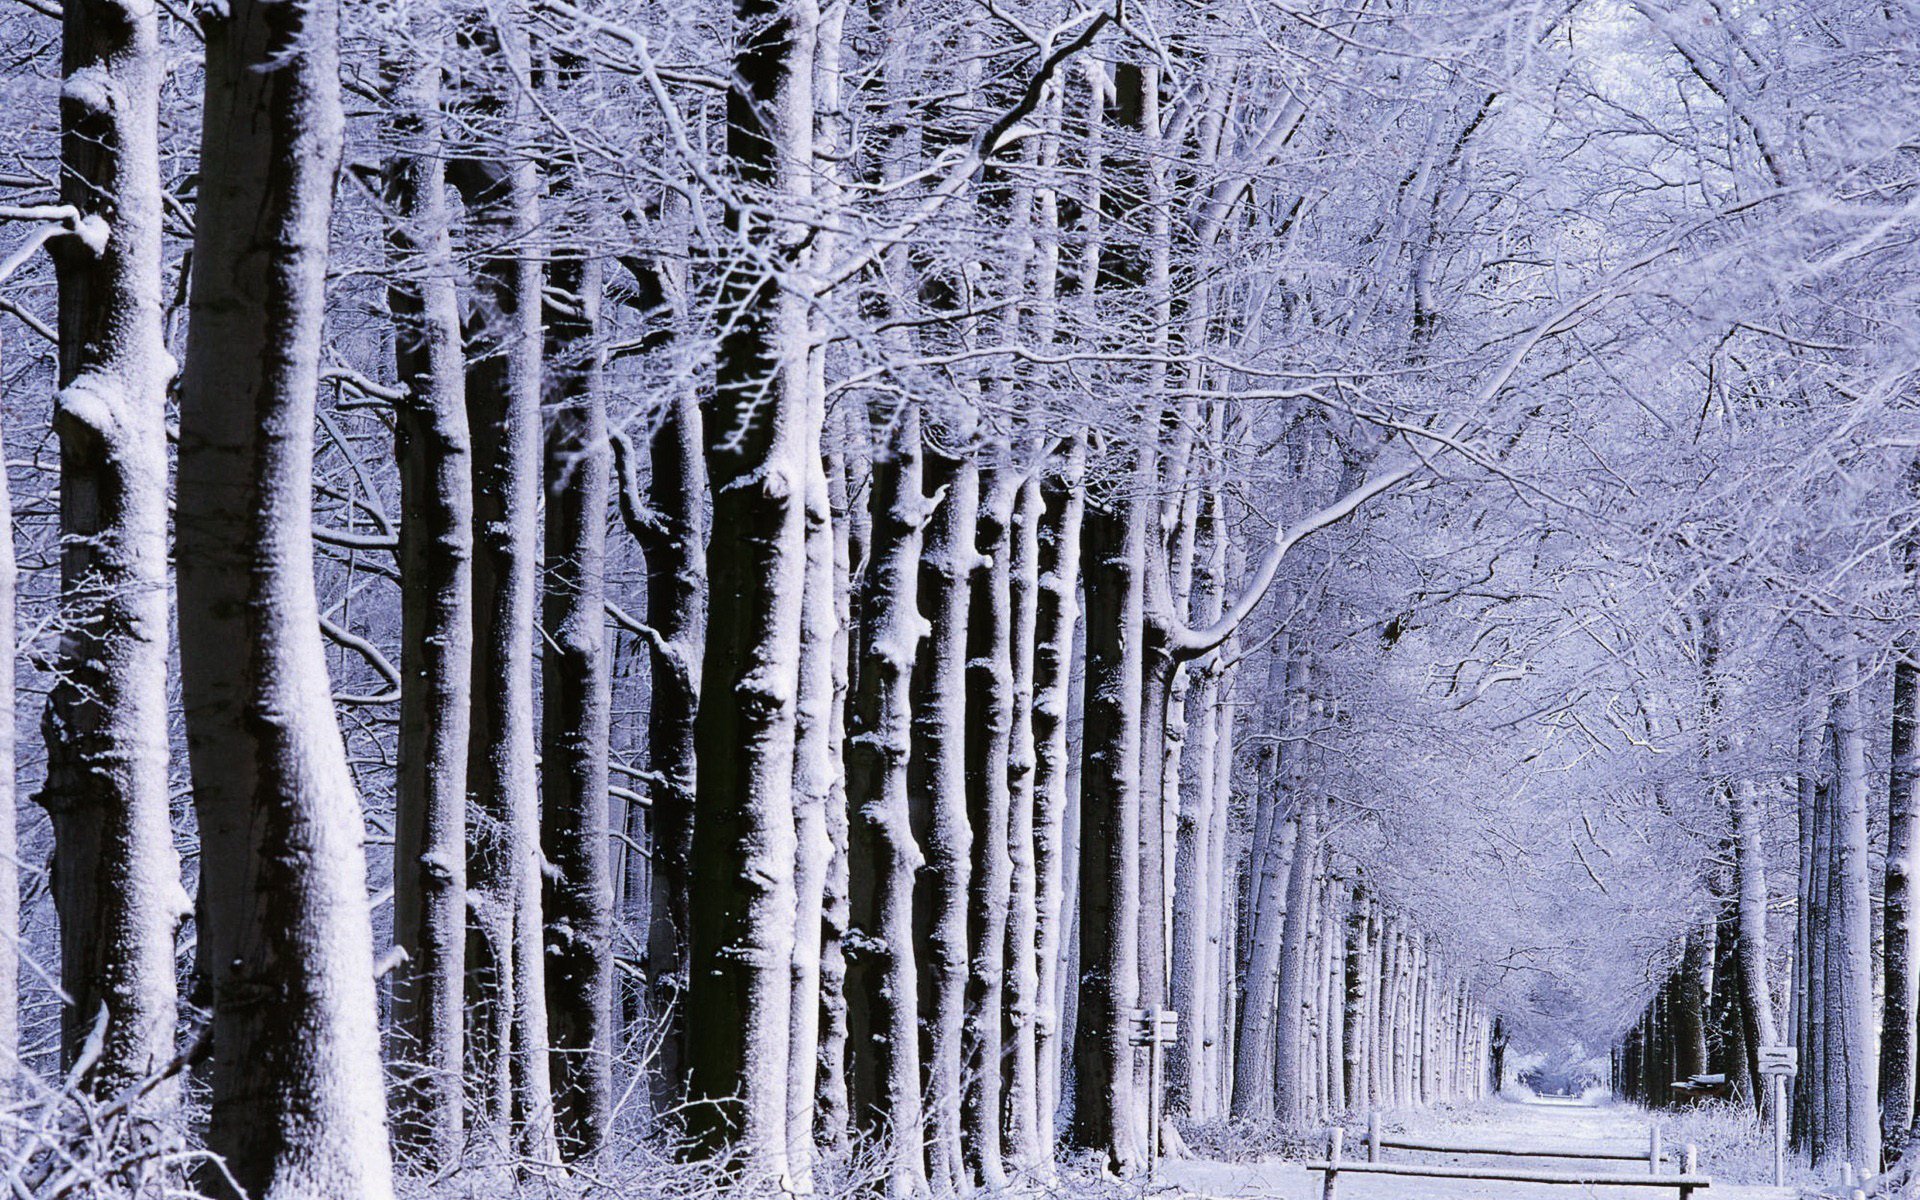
<point x="434" y="455"/>
<point x="989" y="700"/>
<point x="831" y="1100"/>
<point x="937" y="785"/>
<point x="1027" y="1146"/>
<point x="297" y="1106"/>
<point x="1290" y="1096"/>
<point x="1902" y="956"/>
<point x="577" y="900"/>
<point x="760" y="448"/>
<point x="9" y="834"/>
<point x="1114" y="561"/>
<point x="883" y="1036"/>
<point x="1056" y="616"/>
<point x="506" y="974"/>
<point x="1269" y="884"/>
<point x="115" y="877"/>
<point x="815" y="780"/>
<point x="1857" y="1036"/>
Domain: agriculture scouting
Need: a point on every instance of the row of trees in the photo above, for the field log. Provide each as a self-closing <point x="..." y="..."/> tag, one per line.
<point x="934" y="764"/>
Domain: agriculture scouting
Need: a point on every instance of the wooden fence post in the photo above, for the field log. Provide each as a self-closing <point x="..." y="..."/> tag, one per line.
<point x="1373" y="1136"/>
<point x="1333" y="1163"/>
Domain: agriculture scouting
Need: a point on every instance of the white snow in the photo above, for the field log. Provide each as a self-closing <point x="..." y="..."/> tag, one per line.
<point x="1501" y="1122"/>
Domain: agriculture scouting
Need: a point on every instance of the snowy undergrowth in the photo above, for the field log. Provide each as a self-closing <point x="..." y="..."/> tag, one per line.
<point x="1734" y="1146"/>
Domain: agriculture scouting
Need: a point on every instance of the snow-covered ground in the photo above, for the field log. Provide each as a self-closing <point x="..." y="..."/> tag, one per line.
<point x="1584" y="1124"/>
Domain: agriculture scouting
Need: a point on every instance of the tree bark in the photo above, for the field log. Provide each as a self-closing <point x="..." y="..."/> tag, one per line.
<point x="506" y="972"/>
<point x="115" y="877"/>
<point x="989" y="763"/>
<point x="759" y="457"/>
<point x="1056" y="616"/>
<point x="435" y="456"/>
<point x="1114" y="555"/>
<point x="937" y="786"/>
<point x="1858" y="1037"/>
<point x="1027" y="1145"/>
<point x="297" y="1107"/>
<point x="883" y="1033"/>
<point x="576" y="699"/>
<point x="1902" y="959"/>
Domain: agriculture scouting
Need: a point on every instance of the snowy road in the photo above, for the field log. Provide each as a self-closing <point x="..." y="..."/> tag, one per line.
<point x="1529" y="1123"/>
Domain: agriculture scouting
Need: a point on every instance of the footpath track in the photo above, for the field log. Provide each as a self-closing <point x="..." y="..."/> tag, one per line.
<point x="1519" y="1124"/>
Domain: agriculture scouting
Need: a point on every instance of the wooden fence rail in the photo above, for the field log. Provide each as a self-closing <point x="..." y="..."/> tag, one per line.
<point x="1686" y="1182"/>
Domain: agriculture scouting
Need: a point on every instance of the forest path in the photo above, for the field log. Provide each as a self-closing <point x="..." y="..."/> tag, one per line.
<point x="1530" y="1122"/>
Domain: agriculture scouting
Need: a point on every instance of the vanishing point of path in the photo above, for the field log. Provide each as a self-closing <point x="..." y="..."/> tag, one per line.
<point x="1563" y="1123"/>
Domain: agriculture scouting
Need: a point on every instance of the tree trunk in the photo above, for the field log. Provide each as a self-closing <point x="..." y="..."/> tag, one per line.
<point x="1902" y="966"/>
<point x="1056" y="615"/>
<point x="1027" y="1146"/>
<point x="937" y="787"/>
<point x="434" y="454"/>
<point x="1854" y="919"/>
<point x="883" y="1035"/>
<point x="1114" y="539"/>
<point x="989" y="759"/>
<point x="1289" y="1069"/>
<point x="831" y="1102"/>
<point x="507" y="1031"/>
<point x="297" y="1106"/>
<point x="10" y="1073"/>
<point x="760" y="419"/>
<point x="576" y="698"/>
<point x="815" y="773"/>
<point x="115" y="877"/>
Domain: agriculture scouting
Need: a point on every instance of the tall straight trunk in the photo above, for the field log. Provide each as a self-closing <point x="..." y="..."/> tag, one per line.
<point x="815" y="775"/>
<point x="1056" y="617"/>
<point x="297" y="1106"/>
<point x="1289" y="1100"/>
<point x="883" y="1036"/>
<point x="831" y="1100"/>
<point x="1854" y="917"/>
<point x="506" y="972"/>
<point x="435" y="458"/>
<point x="576" y="699"/>
<point x="115" y="878"/>
<point x="9" y="834"/>
<point x="1689" y="983"/>
<point x="826" y="1071"/>
<point x="1830" y="1096"/>
<point x="1902" y="958"/>
<point x="1355" y="1003"/>
<point x="989" y="760"/>
<point x="760" y="432"/>
<point x="937" y="786"/>
<point x="1220" y="952"/>
<point x="1253" y="1072"/>
<point x="676" y="553"/>
<point x="1191" y="982"/>
<point x="1114" y="556"/>
<point x="1804" y="948"/>
<point x="1026" y="1145"/>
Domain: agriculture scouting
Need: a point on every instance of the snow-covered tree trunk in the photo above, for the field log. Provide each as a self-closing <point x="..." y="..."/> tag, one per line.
<point x="831" y="1099"/>
<point x="830" y="1051"/>
<point x="1027" y="1147"/>
<point x="1858" y="1040"/>
<point x="989" y="696"/>
<point x="1056" y="616"/>
<point x="815" y="777"/>
<point x="9" y="833"/>
<point x="1259" y="1030"/>
<point x="435" y="556"/>
<point x="883" y="1035"/>
<point x="1690" y="984"/>
<point x="937" y="785"/>
<point x="1356" y="1002"/>
<point x="298" y="1110"/>
<point x="576" y="699"/>
<point x="676" y="553"/>
<point x="1290" y="1098"/>
<point x="760" y="449"/>
<point x="1114" y="558"/>
<point x="507" y="1030"/>
<point x="115" y="875"/>
<point x="1901" y="955"/>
